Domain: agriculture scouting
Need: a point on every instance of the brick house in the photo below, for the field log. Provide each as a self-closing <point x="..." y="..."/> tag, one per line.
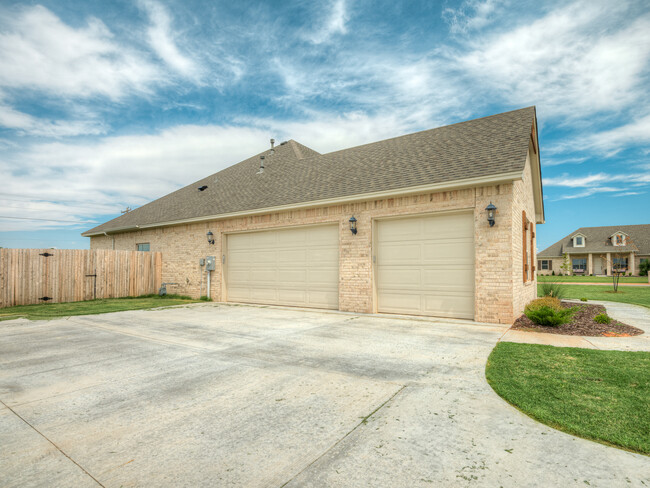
<point x="596" y="250"/>
<point x="396" y="226"/>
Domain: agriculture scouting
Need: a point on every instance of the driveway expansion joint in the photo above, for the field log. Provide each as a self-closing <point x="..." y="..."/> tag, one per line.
<point x="363" y="421"/>
<point x="55" y="446"/>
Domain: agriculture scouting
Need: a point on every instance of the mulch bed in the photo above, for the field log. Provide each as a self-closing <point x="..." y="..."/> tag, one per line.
<point x="582" y="324"/>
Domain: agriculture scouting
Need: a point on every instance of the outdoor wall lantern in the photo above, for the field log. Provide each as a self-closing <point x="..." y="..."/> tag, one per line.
<point x="353" y="225"/>
<point x="210" y="237"/>
<point x="490" y="210"/>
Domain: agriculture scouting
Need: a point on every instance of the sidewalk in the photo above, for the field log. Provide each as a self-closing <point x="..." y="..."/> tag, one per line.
<point x="634" y="315"/>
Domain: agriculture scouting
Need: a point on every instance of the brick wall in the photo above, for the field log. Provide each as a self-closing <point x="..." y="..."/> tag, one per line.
<point x="184" y="245"/>
<point x="523" y="292"/>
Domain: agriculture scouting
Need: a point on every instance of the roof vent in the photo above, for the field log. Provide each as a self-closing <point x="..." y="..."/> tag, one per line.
<point x="272" y="144"/>
<point x="261" y="165"/>
<point x="283" y="143"/>
<point x="201" y="188"/>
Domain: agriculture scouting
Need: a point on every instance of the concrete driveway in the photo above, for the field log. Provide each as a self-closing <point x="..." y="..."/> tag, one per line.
<point x="222" y="395"/>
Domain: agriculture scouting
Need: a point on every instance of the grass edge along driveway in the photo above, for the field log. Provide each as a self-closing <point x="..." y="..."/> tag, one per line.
<point x="594" y="394"/>
<point x="47" y="311"/>
<point x="635" y="295"/>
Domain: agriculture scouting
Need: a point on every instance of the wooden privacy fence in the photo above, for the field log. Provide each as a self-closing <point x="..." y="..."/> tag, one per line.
<point x="30" y="276"/>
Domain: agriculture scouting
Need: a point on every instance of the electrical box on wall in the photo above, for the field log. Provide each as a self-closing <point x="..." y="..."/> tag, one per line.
<point x="202" y="262"/>
<point x="210" y="263"/>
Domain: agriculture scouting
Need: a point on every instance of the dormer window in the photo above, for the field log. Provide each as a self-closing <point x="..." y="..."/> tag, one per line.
<point x="618" y="239"/>
<point x="579" y="241"/>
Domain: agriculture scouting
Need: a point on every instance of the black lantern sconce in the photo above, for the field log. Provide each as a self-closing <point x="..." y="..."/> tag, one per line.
<point x="491" y="210"/>
<point x="210" y="237"/>
<point x="353" y="225"/>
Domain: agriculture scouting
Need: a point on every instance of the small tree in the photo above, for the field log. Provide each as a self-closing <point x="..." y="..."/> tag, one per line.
<point x="616" y="258"/>
<point x="566" y="264"/>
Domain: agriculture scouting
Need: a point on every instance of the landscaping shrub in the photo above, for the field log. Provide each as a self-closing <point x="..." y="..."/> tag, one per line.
<point x="644" y="267"/>
<point x="552" y="290"/>
<point x="549" y="301"/>
<point x="583" y="299"/>
<point x="602" y="318"/>
<point x="552" y="273"/>
<point x="549" y="316"/>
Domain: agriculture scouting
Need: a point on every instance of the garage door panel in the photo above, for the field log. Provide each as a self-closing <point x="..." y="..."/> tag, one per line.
<point x="324" y="255"/>
<point x="285" y="267"/>
<point x="442" y="278"/>
<point x="450" y="224"/>
<point x="292" y="256"/>
<point x="322" y="276"/>
<point x="394" y="253"/>
<point x="292" y="276"/>
<point x="400" y="230"/>
<point x="323" y="299"/>
<point x="449" y="306"/>
<point x="399" y="302"/>
<point x="399" y="277"/>
<point x="425" y="265"/>
<point x="449" y="251"/>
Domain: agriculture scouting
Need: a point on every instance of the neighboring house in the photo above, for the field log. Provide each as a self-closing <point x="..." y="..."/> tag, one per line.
<point x="420" y="242"/>
<point x="597" y="251"/>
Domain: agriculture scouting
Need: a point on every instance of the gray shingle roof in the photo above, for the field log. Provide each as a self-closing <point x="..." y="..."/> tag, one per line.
<point x="597" y="241"/>
<point x="483" y="147"/>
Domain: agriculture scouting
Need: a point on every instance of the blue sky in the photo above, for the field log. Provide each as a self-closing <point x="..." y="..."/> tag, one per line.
<point x="105" y="105"/>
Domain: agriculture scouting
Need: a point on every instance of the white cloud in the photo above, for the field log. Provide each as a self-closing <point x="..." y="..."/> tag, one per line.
<point x="596" y="179"/>
<point x="27" y="124"/>
<point x="74" y="181"/>
<point x="162" y="40"/>
<point x="574" y="61"/>
<point x="39" y="52"/>
<point x="634" y="133"/>
<point x="589" y="192"/>
<point x="471" y="15"/>
<point x="334" y="24"/>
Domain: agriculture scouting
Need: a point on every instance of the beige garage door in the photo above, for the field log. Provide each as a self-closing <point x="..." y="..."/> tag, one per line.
<point x="425" y="265"/>
<point x="298" y="267"/>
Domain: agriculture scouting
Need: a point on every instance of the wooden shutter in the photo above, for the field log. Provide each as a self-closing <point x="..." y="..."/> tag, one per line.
<point x="524" y="245"/>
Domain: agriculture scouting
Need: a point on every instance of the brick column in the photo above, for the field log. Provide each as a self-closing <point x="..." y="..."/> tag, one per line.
<point x="609" y="264"/>
<point x="631" y="267"/>
<point x="590" y="264"/>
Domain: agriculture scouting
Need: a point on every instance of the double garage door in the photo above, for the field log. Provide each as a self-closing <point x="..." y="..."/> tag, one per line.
<point x="297" y="267"/>
<point x="423" y="266"/>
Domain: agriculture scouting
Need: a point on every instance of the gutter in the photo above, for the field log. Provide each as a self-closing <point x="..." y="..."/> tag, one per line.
<point x="453" y="185"/>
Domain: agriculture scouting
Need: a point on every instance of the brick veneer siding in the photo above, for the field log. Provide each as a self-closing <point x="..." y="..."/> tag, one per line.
<point x="498" y="296"/>
<point x="523" y="201"/>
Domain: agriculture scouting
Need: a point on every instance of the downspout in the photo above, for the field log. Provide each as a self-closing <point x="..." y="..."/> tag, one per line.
<point x="113" y="246"/>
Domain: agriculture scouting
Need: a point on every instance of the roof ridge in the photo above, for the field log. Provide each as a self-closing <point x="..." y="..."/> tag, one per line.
<point x="432" y="129"/>
<point x="296" y="149"/>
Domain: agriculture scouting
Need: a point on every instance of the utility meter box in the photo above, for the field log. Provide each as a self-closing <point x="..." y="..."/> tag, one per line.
<point x="210" y="263"/>
<point x="202" y="262"/>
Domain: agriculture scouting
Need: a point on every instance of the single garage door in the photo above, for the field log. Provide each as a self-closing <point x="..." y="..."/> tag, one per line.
<point x="425" y="265"/>
<point x="298" y="267"/>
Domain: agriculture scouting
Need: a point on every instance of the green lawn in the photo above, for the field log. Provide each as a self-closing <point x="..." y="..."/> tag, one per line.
<point x="598" y="395"/>
<point x="625" y="294"/>
<point x="591" y="279"/>
<point x="48" y="311"/>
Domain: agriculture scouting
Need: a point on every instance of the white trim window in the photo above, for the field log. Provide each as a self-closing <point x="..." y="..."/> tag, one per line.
<point x="618" y="239"/>
<point x="545" y="264"/>
<point x="579" y="241"/>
